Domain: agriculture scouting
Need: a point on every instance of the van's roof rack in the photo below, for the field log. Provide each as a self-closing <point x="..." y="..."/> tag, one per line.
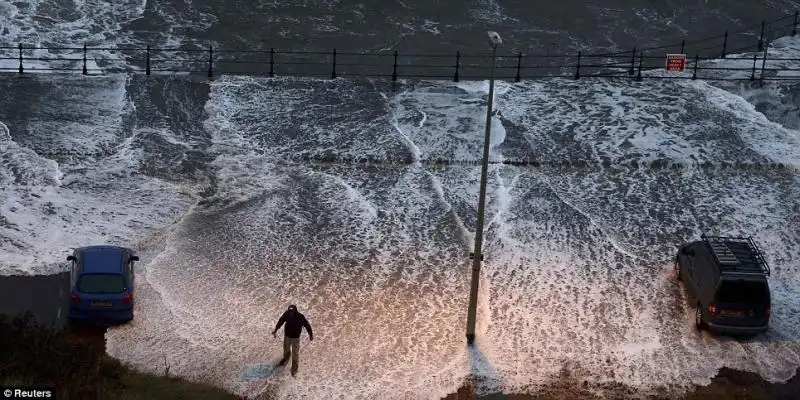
<point x="736" y="255"/>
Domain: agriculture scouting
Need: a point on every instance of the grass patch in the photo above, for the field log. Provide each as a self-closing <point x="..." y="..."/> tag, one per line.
<point x="78" y="368"/>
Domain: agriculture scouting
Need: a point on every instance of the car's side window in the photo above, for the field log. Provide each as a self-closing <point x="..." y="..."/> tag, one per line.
<point x="129" y="271"/>
<point x="700" y="265"/>
<point x="76" y="266"/>
<point x="692" y="262"/>
<point x="705" y="278"/>
<point x="72" y="272"/>
<point x="689" y="260"/>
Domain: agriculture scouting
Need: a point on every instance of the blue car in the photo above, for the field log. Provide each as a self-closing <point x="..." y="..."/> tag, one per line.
<point x="101" y="283"/>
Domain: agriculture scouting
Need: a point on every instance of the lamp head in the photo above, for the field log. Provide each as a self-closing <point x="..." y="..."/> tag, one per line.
<point x="494" y="38"/>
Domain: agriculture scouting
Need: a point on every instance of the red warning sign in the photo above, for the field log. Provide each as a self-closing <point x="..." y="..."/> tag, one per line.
<point x="676" y="62"/>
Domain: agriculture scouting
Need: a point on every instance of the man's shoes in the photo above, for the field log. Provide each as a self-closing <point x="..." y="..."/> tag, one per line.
<point x="283" y="361"/>
<point x="294" y="373"/>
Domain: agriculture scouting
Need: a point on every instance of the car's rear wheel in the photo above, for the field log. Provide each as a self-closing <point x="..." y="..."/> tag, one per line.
<point x="698" y="317"/>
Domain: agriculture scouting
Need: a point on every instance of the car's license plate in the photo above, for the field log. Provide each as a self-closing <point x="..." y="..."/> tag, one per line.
<point x="101" y="304"/>
<point x="729" y="313"/>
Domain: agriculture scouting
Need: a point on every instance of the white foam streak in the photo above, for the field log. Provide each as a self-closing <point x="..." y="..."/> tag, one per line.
<point x="23" y="166"/>
<point x="416" y="153"/>
<point x="772" y="140"/>
<point x="369" y="210"/>
<point x="466" y="235"/>
<point x="51" y="24"/>
<point x="591" y="220"/>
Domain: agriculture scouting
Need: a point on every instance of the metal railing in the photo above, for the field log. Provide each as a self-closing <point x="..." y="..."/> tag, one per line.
<point x="211" y="62"/>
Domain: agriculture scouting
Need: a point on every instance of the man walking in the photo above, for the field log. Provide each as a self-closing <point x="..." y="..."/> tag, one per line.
<point x="291" y="342"/>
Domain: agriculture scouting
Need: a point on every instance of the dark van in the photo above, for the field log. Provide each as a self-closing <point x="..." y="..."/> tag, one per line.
<point x="101" y="283"/>
<point x="726" y="280"/>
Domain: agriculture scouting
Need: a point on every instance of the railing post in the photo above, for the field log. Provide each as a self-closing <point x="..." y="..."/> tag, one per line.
<point x="458" y="62"/>
<point x="394" y="68"/>
<point x="21" y="70"/>
<point x="683" y="46"/>
<point x="796" y="17"/>
<point x="753" y="74"/>
<point x="578" y="67"/>
<point x="271" y="62"/>
<point x="725" y="45"/>
<point x="764" y="63"/>
<point x="210" y="62"/>
<point x="333" y="71"/>
<point x="761" y="37"/>
<point x="632" y="69"/>
<point x="85" y="71"/>
<point x="696" y="63"/>
<point x="641" y="61"/>
<point x="147" y="61"/>
<point x="519" y="67"/>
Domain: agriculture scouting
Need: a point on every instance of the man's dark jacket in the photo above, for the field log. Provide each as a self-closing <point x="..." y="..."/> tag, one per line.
<point x="295" y="322"/>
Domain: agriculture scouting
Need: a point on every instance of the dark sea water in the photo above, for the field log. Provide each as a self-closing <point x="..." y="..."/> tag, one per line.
<point x="356" y="199"/>
<point x="410" y="27"/>
<point x="443" y="26"/>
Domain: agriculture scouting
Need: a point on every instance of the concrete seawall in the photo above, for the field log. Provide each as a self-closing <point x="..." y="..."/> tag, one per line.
<point x="45" y="296"/>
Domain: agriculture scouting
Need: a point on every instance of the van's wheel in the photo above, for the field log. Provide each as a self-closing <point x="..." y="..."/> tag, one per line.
<point x="698" y="317"/>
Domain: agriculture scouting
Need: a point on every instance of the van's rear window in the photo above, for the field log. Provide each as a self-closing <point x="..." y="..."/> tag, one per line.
<point x="742" y="291"/>
<point x="101" y="283"/>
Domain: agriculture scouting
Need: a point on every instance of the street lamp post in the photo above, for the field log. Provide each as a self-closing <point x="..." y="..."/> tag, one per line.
<point x="477" y="255"/>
